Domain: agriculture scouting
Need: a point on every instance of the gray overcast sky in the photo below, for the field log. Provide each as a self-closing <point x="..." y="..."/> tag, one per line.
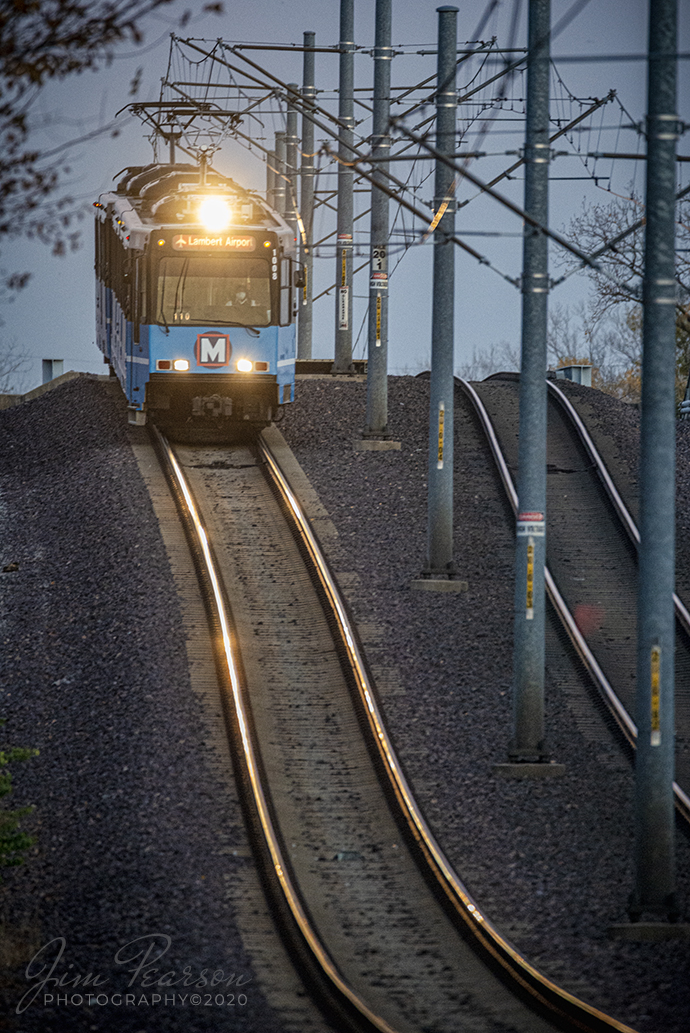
<point x="54" y="316"/>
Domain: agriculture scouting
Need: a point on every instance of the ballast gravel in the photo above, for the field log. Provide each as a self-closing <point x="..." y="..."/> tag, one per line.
<point x="132" y="834"/>
<point x="549" y="861"/>
<point x="134" y="837"/>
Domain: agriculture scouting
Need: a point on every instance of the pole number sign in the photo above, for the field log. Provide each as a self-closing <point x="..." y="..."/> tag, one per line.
<point x="379" y="269"/>
<point x="379" y="262"/>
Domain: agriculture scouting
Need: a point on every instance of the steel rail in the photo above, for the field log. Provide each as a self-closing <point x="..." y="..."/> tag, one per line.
<point x="561" y="1005"/>
<point x="682" y="614"/>
<point x="230" y="652"/>
<point x="682" y="799"/>
<point x="615" y="706"/>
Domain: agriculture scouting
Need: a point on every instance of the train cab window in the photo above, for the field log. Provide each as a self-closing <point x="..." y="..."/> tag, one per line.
<point x="216" y="289"/>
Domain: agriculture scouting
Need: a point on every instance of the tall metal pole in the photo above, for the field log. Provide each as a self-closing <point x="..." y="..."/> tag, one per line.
<point x="440" y="514"/>
<point x="279" y="178"/>
<point x="655" y="847"/>
<point x="304" y="324"/>
<point x="528" y="744"/>
<point x="377" y="370"/>
<point x="346" y="114"/>
<point x="291" y="149"/>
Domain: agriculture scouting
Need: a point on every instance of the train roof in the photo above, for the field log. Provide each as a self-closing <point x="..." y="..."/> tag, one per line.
<point x="154" y="196"/>
<point x="155" y="181"/>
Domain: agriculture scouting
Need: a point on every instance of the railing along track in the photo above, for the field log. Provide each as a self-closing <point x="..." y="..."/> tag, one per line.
<point x="559" y="1007"/>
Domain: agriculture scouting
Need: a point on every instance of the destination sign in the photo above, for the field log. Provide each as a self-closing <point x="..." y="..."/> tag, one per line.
<point x="194" y="242"/>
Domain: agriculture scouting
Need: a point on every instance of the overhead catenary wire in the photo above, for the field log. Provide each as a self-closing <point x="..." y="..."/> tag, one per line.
<point x="296" y="99"/>
<point x="557" y="238"/>
<point x="613" y="243"/>
<point x="400" y="187"/>
<point x="561" y="132"/>
<point x="484" y="187"/>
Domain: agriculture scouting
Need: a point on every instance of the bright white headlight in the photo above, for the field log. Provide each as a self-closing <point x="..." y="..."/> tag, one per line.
<point x="244" y="365"/>
<point x="181" y="364"/>
<point x="215" y="213"/>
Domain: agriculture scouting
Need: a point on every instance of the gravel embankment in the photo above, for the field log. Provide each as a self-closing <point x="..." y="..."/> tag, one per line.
<point x="551" y="862"/>
<point x="133" y="836"/>
<point x="94" y="675"/>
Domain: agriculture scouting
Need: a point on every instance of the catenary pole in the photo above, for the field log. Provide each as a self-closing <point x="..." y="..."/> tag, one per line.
<point x="528" y="742"/>
<point x="270" y="177"/>
<point x="291" y="150"/>
<point x="344" y="249"/>
<point x="440" y="497"/>
<point x="279" y="176"/>
<point x="304" y="324"/>
<point x="655" y="862"/>
<point x="377" y="367"/>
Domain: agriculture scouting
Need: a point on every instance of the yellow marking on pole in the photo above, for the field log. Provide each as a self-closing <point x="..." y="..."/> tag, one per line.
<point x="655" y="665"/>
<point x="304" y="288"/>
<point x="343" y="271"/>
<point x="378" y="320"/>
<point x="530" y="582"/>
<point x="441" y="210"/>
<point x="441" y="422"/>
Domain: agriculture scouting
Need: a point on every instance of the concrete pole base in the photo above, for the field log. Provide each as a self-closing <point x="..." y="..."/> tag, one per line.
<point x="375" y="445"/>
<point x="524" y="769"/>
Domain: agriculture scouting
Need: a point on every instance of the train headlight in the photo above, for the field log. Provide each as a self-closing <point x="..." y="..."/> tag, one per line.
<point x="215" y="214"/>
<point x="244" y="365"/>
<point x="181" y="364"/>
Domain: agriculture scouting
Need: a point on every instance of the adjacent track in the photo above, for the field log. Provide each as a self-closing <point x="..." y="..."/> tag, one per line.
<point x="591" y="574"/>
<point x="380" y="926"/>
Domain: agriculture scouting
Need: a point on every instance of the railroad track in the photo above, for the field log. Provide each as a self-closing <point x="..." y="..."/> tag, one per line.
<point x="592" y="546"/>
<point x="380" y="927"/>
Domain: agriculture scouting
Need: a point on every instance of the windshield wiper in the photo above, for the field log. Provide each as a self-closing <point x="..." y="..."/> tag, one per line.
<point x="179" y="290"/>
<point x="161" y="314"/>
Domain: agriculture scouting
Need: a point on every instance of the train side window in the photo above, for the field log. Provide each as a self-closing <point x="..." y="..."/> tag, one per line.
<point x="142" y="314"/>
<point x="137" y="292"/>
<point x="97" y="249"/>
<point x="108" y="249"/>
<point x="285" y="291"/>
<point x="127" y="280"/>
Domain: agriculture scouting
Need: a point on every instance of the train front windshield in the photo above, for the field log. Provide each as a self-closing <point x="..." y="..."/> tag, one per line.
<point x="213" y="290"/>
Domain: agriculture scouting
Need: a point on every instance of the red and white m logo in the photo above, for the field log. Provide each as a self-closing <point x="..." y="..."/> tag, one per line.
<point x="212" y="349"/>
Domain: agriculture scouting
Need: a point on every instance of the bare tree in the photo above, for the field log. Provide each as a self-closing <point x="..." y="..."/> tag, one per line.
<point x="499" y="358"/>
<point x="564" y="343"/>
<point x="616" y="231"/>
<point x="610" y="343"/>
<point x="623" y="264"/>
<point x="43" y="41"/>
<point x="14" y="368"/>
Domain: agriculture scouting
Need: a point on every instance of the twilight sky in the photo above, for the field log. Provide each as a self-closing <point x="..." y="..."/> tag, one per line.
<point x="54" y="316"/>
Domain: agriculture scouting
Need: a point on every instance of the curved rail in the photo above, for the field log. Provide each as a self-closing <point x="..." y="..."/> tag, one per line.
<point x="562" y="1005"/>
<point x="280" y="867"/>
<point x="682" y="614"/>
<point x="614" y="704"/>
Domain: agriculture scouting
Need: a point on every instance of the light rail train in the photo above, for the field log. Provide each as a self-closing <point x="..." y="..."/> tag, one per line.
<point x="195" y="299"/>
